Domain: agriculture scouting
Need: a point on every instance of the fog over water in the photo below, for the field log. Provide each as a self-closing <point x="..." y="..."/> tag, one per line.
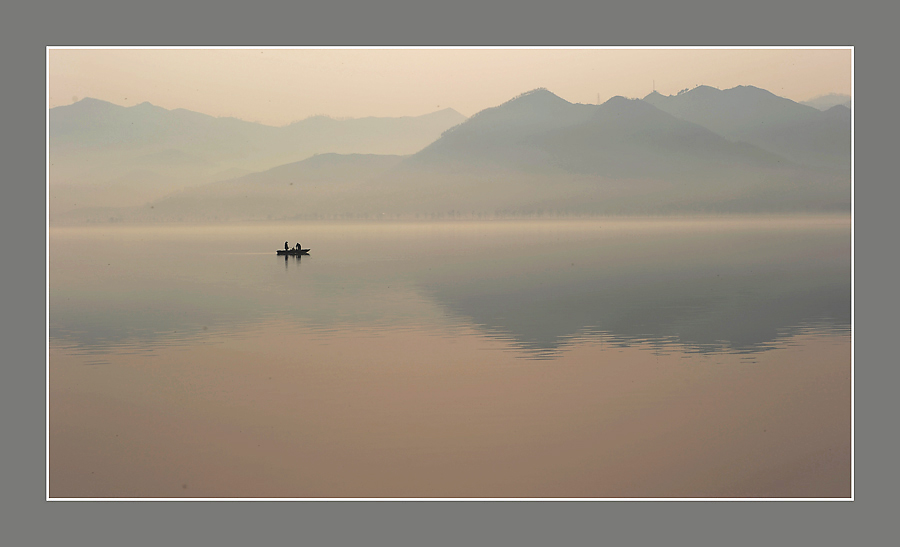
<point x="709" y="284"/>
<point x="421" y="358"/>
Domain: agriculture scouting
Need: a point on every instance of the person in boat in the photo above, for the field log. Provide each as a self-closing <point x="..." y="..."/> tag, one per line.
<point x="286" y="246"/>
<point x="298" y="247"/>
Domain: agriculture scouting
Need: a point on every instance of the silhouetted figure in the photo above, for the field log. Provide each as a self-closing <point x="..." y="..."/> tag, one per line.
<point x="298" y="246"/>
<point x="286" y="246"/>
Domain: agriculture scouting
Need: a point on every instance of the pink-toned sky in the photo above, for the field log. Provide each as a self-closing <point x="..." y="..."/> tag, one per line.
<point x="278" y="86"/>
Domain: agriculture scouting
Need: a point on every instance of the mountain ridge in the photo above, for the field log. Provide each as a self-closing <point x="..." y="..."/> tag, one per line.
<point x="799" y="132"/>
<point x="94" y="103"/>
<point x="538" y="152"/>
<point x="829" y="100"/>
<point x="93" y="142"/>
<point x="521" y="134"/>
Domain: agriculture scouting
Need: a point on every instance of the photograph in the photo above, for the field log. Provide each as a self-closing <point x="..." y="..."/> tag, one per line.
<point x="450" y="273"/>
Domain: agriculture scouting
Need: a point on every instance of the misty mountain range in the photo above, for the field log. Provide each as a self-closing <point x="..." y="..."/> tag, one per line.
<point x="748" y="114"/>
<point x="108" y="155"/>
<point x="824" y="102"/>
<point x="742" y="149"/>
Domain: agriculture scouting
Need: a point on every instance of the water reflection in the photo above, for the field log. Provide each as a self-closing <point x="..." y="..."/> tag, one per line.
<point x="296" y="259"/>
<point x="706" y="286"/>
<point x="719" y="287"/>
<point x="706" y="312"/>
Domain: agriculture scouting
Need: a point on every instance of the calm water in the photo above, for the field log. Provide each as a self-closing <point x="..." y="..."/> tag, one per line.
<point x="600" y="358"/>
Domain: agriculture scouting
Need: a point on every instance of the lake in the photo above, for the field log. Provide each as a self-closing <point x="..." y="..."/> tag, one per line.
<point x="589" y="358"/>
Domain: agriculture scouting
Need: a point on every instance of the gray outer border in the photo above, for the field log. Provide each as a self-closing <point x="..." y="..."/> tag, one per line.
<point x="28" y="27"/>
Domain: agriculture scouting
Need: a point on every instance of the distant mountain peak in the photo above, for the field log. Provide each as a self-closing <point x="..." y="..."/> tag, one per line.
<point x="703" y="91"/>
<point x="704" y="94"/>
<point x="540" y="95"/>
<point x="536" y="106"/>
<point x="748" y="89"/>
<point x="825" y="102"/>
<point x="536" y="92"/>
<point x="619" y="99"/>
<point x="799" y="132"/>
<point x="89" y="103"/>
<point x="834" y="96"/>
<point x="91" y="100"/>
<point x="624" y="104"/>
<point x="147" y="106"/>
<point x="448" y="111"/>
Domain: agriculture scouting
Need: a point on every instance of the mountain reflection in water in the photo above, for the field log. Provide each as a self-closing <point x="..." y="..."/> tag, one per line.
<point x="707" y="285"/>
<point x="702" y="310"/>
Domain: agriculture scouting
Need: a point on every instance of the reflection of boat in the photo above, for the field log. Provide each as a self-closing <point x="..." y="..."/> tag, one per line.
<point x="293" y="251"/>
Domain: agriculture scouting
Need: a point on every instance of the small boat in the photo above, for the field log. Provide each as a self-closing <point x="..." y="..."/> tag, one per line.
<point x="295" y="252"/>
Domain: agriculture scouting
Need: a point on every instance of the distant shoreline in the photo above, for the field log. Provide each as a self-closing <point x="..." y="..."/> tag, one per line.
<point x="801" y="215"/>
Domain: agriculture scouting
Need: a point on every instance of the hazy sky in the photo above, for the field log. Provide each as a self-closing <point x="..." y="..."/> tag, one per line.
<point x="278" y="86"/>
